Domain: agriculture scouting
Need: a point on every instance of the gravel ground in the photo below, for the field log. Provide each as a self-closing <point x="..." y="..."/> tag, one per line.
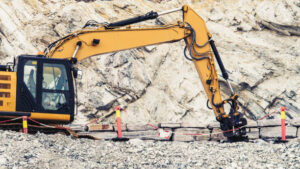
<point x="18" y="150"/>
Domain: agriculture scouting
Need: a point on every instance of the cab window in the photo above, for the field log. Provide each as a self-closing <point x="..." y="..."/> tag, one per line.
<point x="30" y="70"/>
<point x="55" y="77"/>
<point x="54" y="85"/>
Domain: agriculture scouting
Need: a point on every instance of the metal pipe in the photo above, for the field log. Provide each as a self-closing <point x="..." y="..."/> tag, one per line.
<point x="169" y="11"/>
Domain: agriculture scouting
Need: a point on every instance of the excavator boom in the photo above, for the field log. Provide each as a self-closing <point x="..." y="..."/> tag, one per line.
<point x="100" y="41"/>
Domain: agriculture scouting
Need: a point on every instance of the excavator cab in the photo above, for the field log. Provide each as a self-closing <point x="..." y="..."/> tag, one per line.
<point x="45" y="88"/>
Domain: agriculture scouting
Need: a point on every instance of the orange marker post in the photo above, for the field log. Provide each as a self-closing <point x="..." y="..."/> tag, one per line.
<point x="118" y="118"/>
<point x="283" y="123"/>
<point x="25" y="125"/>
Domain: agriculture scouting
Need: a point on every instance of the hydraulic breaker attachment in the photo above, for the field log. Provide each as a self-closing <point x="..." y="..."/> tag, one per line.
<point x="232" y="126"/>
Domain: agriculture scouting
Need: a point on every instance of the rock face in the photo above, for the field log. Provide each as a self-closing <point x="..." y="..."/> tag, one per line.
<point x="258" y="41"/>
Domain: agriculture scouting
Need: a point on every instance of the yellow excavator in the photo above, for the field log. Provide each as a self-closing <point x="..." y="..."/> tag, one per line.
<point x="42" y="87"/>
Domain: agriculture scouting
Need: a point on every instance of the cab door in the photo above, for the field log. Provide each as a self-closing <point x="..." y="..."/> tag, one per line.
<point x="45" y="85"/>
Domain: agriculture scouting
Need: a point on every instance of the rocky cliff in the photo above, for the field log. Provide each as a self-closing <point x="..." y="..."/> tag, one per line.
<point x="258" y="41"/>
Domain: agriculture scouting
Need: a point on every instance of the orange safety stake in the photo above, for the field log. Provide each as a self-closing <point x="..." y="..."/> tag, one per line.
<point x="25" y="125"/>
<point x="118" y="118"/>
<point x="283" y="123"/>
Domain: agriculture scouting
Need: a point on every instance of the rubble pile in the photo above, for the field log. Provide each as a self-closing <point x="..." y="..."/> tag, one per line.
<point x="57" y="151"/>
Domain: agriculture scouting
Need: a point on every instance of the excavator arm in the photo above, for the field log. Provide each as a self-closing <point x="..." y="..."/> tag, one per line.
<point x="106" y="38"/>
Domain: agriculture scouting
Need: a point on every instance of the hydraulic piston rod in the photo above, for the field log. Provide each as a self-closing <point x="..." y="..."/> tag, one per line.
<point x="74" y="59"/>
<point x="221" y="65"/>
<point x="169" y="11"/>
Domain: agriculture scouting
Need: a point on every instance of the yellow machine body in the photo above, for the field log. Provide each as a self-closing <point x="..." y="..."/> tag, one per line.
<point x="8" y="84"/>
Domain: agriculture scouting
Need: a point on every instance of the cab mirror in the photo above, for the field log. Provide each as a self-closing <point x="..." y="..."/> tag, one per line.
<point x="77" y="73"/>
